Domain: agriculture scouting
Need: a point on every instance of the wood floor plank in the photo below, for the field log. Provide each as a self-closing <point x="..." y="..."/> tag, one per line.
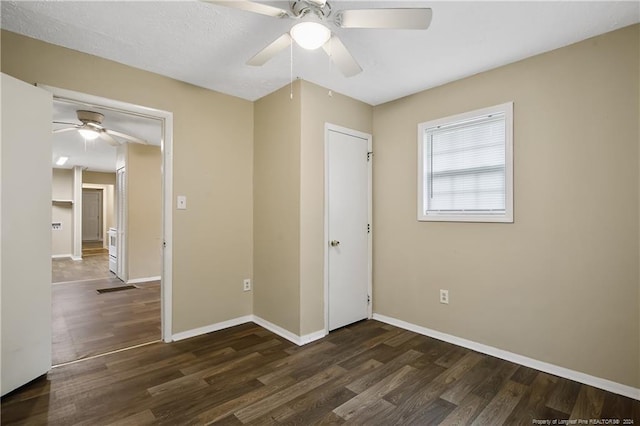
<point x="588" y="404"/>
<point x="373" y="393"/>
<point x="263" y="406"/>
<point x="500" y="407"/>
<point x="368" y="373"/>
<point x="466" y="411"/>
<point x="532" y="405"/>
<point x="563" y="396"/>
<point x="478" y="373"/>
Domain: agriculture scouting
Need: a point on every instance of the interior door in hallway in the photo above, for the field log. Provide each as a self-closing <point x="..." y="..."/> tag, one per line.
<point x="91" y="215"/>
<point x="25" y="252"/>
<point x="348" y="198"/>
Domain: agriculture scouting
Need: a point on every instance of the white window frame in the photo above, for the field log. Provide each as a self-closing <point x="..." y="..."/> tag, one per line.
<point x="462" y="216"/>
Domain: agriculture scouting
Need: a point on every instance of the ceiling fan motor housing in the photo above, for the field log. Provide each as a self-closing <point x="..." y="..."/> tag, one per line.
<point x="91" y="117"/>
<point x="320" y="8"/>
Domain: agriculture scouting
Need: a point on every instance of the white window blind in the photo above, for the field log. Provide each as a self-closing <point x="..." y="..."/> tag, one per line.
<point x="466" y="167"/>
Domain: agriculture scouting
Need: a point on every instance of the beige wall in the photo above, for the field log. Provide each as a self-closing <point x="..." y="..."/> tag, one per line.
<point x="289" y="200"/>
<point x="62" y="189"/>
<point x="98" y="178"/>
<point x="213" y="161"/>
<point x="560" y="284"/>
<point x="144" y="211"/>
<point x="276" y="217"/>
<point x="318" y="108"/>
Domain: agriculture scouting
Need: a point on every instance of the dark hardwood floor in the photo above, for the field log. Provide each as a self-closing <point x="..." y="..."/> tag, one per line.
<point x="92" y="266"/>
<point x="87" y="323"/>
<point x="369" y="373"/>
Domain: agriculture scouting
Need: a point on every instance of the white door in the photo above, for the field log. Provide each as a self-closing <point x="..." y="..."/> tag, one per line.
<point x="91" y="215"/>
<point x="348" y="225"/>
<point x="25" y="213"/>
<point x="121" y="224"/>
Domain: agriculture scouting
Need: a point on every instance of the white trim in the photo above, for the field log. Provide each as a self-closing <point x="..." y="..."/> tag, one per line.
<point x="608" y="385"/>
<point x="327" y="128"/>
<point x="286" y="334"/>
<point x="144" y="280"/>
<point x="62" y="256"/>
<point x="211" y="328"/>
<point x="294" y="338"/>
<point x="77" y="212"/>
<point x="507" y="217"/>
<point x="76" y="258"/>
<point x="166" y="118"/>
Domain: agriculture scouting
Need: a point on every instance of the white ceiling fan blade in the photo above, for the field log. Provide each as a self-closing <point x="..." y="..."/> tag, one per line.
<point x="108" y="138"/>
<point x="271" y="50"/>
<point x="125" y="136"/>
<point x="408" y="19"/>
<point x="66" y="122"/>
<point x="65" y="129"/>
<point x="255" y="7"/>
<point x="341" y="57"/>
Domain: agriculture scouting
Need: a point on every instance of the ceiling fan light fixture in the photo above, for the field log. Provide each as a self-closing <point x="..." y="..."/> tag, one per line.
<point x="89" y="134"/>
<point x="310" y="35"/>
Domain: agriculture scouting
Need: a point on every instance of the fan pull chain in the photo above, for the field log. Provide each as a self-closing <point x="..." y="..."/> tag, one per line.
<point x="330" y="55"/>
<point x="291" y="71"/>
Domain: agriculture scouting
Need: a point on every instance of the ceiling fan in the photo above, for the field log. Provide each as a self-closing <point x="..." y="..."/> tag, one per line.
<point x="91" y="127"/>
<point x="313" y="31"/>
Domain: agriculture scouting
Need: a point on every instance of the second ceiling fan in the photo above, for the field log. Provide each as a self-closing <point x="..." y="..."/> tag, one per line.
<point x="312" y="31"/>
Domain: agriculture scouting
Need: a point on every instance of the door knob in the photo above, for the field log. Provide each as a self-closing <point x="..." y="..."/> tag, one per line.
<point x="335" y="243"/>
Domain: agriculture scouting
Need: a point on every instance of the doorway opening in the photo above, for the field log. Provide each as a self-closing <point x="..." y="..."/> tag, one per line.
<point x="102" y="207"/>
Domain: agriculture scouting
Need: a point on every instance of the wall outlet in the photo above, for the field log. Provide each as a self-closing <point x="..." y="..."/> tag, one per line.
<point x="181" y="202"/>
<point x="444" y="296"/>
<point x="246" y="285"/>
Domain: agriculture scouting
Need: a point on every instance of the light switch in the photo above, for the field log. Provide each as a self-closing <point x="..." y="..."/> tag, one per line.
<point x="182" y="202"/>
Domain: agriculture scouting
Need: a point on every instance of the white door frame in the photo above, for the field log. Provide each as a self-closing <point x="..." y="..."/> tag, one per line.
<point x="106" y="188"/>
<point x="166" y="119"/>
<point x="101" y="205"/>
<point x="327" y="128"/>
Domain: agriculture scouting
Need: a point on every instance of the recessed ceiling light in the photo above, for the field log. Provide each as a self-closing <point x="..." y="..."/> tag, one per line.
<point x="61" y="160"/>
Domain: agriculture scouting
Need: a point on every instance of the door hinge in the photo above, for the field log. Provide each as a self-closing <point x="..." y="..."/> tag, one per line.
<point x="368" y="228"/>
<point x="368" y="299"/>
<point x="369" y="154"/>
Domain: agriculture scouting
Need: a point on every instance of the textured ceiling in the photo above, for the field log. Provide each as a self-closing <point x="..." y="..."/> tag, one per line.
<point x="208" y="45"/>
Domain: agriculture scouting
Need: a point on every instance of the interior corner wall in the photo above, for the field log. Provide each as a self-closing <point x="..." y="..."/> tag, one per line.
<point x="212" y="166"/>
<point x="62" y="189"/>
<point x="560" y="284"/>
<point x="276" y="216"/>
<point x="144" y="211"/>
<point x="318" y="107"/>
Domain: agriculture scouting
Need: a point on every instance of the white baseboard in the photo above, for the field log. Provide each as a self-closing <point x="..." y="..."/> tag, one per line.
<point x="213" y="327"/>
<point x="143" y="280"/>
<point x="76" y="257"/>
<point x="61" y="256"/>
<point x="608" y="385"/>
<point x="294" y="338"/>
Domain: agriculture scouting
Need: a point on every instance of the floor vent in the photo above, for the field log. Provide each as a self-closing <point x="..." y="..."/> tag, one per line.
<point x="112" y="289"/>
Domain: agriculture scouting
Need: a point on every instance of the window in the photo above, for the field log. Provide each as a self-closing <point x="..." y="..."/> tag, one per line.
<point x="465" y="167"/>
